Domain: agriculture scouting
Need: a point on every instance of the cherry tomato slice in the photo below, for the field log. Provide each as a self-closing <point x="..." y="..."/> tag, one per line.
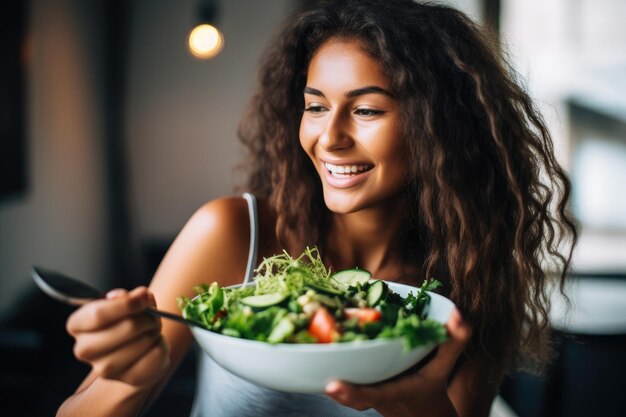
<point x="322" y="326"/>
<point x="363" y="315"/>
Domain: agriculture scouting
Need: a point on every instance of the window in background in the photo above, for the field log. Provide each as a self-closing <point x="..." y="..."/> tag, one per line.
<point x="573" y="55"/>
<point x="599" y="170"/>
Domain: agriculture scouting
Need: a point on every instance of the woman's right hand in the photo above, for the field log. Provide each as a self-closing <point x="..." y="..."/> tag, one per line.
<point x="119" y="340"/>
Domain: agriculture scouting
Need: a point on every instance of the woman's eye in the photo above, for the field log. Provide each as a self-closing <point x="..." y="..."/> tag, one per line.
<point x="367" y="112"/>
<point x="314" y="109"/>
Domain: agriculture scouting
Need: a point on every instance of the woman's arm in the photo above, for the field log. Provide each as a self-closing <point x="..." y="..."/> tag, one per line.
<point x="128" y="369"/>
<point x="473" y="386"/>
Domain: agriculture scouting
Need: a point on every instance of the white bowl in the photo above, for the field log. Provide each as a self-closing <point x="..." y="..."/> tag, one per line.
<point x="307" y="368"/>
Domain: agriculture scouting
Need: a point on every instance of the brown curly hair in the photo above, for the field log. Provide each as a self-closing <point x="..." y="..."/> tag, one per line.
<point x="486" y="196"/>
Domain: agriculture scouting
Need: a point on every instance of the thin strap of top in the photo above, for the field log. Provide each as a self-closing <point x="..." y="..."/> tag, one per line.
<point x="252" y="253"/>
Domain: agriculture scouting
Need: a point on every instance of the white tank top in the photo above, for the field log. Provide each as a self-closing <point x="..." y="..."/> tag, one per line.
<point x="219" y="393"/>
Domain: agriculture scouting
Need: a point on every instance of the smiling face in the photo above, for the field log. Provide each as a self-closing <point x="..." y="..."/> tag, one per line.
<point x="351" y="128"/>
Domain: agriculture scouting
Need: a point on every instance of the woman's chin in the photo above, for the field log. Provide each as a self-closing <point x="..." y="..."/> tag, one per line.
<point x="340" y="204"/>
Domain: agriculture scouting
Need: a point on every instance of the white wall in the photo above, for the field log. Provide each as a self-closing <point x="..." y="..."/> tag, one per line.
<point x="183" y="113"/>
<point x="59" y="223"/>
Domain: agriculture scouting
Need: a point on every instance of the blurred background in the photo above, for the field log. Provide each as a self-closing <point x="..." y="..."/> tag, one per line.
<point x="114" y="129"/>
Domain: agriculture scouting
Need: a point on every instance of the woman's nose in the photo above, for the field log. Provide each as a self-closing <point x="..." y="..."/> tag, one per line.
<point x="335" y="135"/>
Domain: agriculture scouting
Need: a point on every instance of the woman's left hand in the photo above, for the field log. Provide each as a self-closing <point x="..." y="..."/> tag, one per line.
<point x="423" y="392"/>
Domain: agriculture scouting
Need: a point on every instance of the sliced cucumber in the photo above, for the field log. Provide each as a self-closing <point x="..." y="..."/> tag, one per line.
<point x="281" y="331"/>
<point x="323" y="288"/>
<point x="332" y="302"/>
<point x="376" y="292"/>
<point x="264" y="300"/>
<point x="352" y="277"/>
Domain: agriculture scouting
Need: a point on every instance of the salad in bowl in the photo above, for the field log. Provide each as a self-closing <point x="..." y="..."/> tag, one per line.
<point x="298" y="326"/>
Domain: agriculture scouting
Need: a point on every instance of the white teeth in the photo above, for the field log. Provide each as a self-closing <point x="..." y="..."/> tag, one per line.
<point x="346" y="169"/>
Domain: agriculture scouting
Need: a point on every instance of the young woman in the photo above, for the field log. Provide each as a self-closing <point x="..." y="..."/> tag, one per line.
<point x="390" y="135"/>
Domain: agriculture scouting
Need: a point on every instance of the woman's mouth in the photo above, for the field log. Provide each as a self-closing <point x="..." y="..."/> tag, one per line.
<point x="346" y="175"/>
<point x="346" y="171"/>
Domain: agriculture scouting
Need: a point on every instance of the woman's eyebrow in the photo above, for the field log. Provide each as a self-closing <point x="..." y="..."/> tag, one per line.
<point x="313" y="91"/>
<point x="372" y="89"/>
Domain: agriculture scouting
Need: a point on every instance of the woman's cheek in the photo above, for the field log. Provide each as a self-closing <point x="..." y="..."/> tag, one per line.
<point x="307" y="137"/>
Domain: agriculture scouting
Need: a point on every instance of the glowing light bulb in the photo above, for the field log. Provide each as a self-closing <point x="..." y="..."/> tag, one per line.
<point x="205" y="41"/>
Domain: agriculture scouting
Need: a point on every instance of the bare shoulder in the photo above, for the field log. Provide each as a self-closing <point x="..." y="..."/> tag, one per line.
<point x="224" y="219"/>
<point x="220" y="229"/>
<point x="212" y="246"/>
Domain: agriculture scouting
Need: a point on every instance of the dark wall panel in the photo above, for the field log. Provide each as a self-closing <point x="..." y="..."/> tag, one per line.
<point x="13" y="178"/>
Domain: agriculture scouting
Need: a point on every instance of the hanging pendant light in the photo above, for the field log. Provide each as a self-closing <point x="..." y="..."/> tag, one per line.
<point x="205" y="40"/>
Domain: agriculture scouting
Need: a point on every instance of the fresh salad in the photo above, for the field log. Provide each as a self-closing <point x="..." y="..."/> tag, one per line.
<point x="298" y="300"/>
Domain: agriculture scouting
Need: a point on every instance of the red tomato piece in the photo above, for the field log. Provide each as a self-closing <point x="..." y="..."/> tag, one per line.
<point x="323" y="326"/>
<point x="363" y="315"/>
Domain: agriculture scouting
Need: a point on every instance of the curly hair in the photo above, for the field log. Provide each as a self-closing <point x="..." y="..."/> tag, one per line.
<point x="486" y="196"/>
